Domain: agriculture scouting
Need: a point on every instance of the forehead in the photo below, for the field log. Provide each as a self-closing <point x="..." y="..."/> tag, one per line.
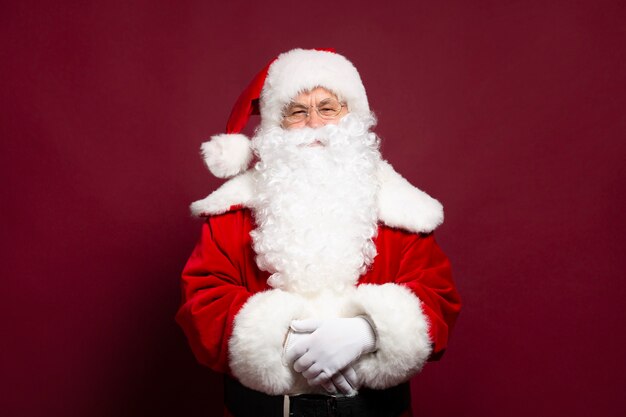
<point x="314" y="96"/>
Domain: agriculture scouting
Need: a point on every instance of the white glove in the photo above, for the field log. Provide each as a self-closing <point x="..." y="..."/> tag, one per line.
<point x="293" y="337"/>
<point x="324" y="355"/>
<point x="345" y="381"/>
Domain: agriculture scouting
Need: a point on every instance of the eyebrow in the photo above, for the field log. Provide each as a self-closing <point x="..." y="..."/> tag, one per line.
<point x="295" y="103"/>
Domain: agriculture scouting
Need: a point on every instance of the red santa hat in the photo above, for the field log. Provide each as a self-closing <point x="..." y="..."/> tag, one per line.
<point x="274" y="87"/>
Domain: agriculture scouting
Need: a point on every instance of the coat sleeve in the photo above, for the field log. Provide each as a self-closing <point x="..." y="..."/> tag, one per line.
<point x="212" y="293"/>
<point x="234" y="323"/>
<point x="412" y="313"/>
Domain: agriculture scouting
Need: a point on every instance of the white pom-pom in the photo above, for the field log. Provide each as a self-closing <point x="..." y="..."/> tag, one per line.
<point x="226" y="155"/>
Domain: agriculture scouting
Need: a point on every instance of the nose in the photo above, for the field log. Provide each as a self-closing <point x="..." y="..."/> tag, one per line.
<point x="314" y="119"/>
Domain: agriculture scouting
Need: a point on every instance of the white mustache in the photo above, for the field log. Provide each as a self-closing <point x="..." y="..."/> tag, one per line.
<point x="307" y="136"/>
<point x="328" y="135"/>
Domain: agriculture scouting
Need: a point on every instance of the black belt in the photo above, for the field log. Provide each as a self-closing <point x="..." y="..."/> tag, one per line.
<point x="245" y="402"/>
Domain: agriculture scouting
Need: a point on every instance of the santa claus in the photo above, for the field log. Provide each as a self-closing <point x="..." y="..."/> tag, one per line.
<point x="317" y="286"/>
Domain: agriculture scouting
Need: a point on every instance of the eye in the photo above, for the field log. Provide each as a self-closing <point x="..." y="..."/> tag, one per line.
<point x="329" y="107"/>
<point x="328" y="110"/>
<point x="296" y="113"/>
<point x="295" y="110"/>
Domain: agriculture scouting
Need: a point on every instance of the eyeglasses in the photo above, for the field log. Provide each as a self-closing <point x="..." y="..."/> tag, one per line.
<point x="327" y="109"/>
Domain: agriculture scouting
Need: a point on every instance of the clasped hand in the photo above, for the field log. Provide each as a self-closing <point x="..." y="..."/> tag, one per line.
<point x="324" y="350"/>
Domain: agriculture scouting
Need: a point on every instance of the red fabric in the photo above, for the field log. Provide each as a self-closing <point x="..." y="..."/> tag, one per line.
<point x="221" y="275"/>
<point x="247" y="103"/>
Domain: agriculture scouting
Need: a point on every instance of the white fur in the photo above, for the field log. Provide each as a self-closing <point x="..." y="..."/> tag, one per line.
<point x="257" y="341"/>
<point x="403" y="344"/>
<point x="236" y="191"/>
<point x="227" y="155"/>
<point x="304" y="69"/>
<point x="261" y="328"/>
<point x="259" y="334"/>
<point x="404" y="206"/>
<point x="399" y="203"/>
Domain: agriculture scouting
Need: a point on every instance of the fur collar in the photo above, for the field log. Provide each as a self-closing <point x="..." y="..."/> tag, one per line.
<point x="400" y="204"/>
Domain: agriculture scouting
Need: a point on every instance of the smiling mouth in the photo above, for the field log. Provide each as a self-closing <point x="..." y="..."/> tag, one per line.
<point x="315" y="143"/>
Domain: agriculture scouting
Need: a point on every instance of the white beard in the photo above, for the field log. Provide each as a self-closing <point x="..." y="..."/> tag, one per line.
<point x="316" y="205"/>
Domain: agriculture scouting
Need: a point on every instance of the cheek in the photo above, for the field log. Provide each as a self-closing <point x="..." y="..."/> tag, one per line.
<point x="338" y="119"/>
<point x="293" y="126"/>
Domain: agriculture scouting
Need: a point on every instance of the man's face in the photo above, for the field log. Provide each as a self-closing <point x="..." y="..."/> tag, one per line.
<point x="307" y="102"/>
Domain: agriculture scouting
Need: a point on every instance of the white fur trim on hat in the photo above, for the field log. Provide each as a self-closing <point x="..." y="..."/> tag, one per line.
<point x="304" y="69"/>
<point x="226" y="155"/>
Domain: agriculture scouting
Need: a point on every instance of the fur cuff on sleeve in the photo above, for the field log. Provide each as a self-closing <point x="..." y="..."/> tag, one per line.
<point x="257" y="341"/>
<point x="403" y="344"/>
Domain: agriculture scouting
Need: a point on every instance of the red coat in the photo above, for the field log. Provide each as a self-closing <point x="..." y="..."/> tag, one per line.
<point x="221" y="275"/>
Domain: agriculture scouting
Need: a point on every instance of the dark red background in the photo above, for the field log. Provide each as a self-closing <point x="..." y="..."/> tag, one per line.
<point x="509" y="112"/>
